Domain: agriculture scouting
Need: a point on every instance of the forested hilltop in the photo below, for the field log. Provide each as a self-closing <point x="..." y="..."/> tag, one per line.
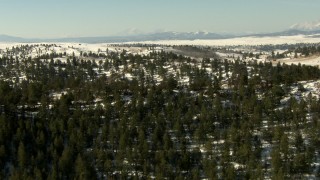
<point x="158" y="115"/>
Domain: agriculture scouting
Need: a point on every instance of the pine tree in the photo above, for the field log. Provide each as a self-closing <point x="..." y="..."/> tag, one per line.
<point x="22" y="156"/>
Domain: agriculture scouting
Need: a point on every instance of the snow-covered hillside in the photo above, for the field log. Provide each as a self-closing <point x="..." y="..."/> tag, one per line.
<point x="70" y="49"/>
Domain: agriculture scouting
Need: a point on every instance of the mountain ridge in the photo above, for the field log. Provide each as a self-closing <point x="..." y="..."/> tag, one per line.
<point x="307" y="26"/>
<point x="167" y="35"/>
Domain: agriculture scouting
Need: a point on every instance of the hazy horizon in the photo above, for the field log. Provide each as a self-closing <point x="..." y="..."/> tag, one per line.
<point x="59" y="19"/>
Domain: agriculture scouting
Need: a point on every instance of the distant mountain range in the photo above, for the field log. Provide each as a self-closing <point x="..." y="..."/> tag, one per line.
<point x="116" y="39"/>
<point x="6" y="38"/>
<point x="157" y="36"/>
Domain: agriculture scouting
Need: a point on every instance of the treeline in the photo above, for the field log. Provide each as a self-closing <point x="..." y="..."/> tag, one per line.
<point x="107" y="126"/>
<point x="308" y="50"/>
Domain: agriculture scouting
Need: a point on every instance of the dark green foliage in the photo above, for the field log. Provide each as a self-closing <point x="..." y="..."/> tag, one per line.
<point x="114" y="127"/>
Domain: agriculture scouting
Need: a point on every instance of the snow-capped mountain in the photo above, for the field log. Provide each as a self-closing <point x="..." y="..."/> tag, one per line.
<point x="307" y="26"/>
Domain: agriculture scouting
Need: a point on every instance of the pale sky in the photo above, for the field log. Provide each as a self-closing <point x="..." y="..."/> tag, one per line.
<point x="72" y="18"/>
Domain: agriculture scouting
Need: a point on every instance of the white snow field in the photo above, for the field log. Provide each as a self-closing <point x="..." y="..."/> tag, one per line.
<point x="251" y="40"/>
<point x="76" y="48"/>
<point x="311" y="61"/>
<point x="239" y="41"/>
